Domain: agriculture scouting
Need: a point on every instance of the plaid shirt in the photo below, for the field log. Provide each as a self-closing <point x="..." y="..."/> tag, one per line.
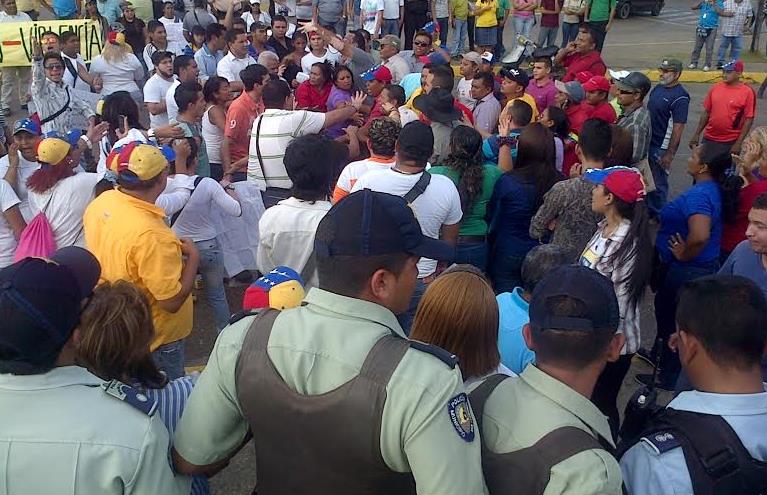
<point x="637" y="122"/>
<point x="733" y="26"/>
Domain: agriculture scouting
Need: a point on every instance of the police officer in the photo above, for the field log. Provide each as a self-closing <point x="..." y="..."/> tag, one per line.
<point x="721" y="352"/>
<point x="540" y="432"/>
<point x="62" y="430"/>
<point x="337" y="399"/>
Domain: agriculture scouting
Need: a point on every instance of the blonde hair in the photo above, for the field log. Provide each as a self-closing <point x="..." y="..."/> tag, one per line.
<point x="116" y="52"/>
<point x="759" y="136"/>
<point x="459" y="313"/>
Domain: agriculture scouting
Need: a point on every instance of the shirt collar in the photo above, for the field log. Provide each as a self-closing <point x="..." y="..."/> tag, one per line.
<point x="487" y="97"/>
<point x="356" y="308"/>
<point x="56" y="378"/>
<point x="721" y="404"/>
<point x="307" y="205"/>
<point x="518" y="300"/>
<point x="568" y="399"/>
<point x="140" y="203"/>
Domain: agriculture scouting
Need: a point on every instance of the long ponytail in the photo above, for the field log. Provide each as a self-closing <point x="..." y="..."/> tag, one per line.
<point x="466" y="158"/>
<point x="638" y="244"/>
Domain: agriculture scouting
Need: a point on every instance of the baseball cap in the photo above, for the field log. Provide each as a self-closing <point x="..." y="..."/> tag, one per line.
<point x="281" y="288"/>
<point x="487" y="57"/>
<point x="137" y="160"/>
<point x="417" y="139"/>
<point x="734" y="66"/>
<point x="371" y="223"/>
<point x="27" y="125"/>
<point x="635" y="81"/>
<point x="671" y="64"/>
<point x="52" y="150"/>
<point x="516" y="75"/>
<point x="591" y="288"/>
<point x="472" y="57"/>
<point x="377" y="73"/>
<point x="625" y="182"/>
<point x="616" y="75"/>
<point x="41" y="301"/>
<point x="573" y="89"/>
<point x="597" y="83"/>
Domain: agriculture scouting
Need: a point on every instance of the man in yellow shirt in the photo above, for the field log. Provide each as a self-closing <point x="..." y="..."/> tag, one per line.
<point x="128" y="235"/>
<point x="513" y="87"/>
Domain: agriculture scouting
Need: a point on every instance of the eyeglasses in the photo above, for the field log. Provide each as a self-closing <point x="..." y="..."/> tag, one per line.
<point x="54" y="67"/>
<point x="421" y="43"/>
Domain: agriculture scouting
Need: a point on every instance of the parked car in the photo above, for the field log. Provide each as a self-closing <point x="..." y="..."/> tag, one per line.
<point x="624" y="8"/>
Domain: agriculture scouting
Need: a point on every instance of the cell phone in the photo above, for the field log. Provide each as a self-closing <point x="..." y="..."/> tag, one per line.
<point x="123" y="123"/>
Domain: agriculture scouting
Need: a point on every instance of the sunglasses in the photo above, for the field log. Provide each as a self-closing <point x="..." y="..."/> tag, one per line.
<point x="625" y="92"/>
<point x="421" y="43"/>
<point x="54" y="67"/>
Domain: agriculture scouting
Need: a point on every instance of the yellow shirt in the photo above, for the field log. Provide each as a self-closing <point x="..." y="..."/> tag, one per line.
<point x="488" y="17"/>
<point x="527" y="99"/>
<point x="130" y="239"/>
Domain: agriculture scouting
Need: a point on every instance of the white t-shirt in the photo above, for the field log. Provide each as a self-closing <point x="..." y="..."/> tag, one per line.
<point x="398" y="67"/>
<point x="463" y="93"/>
<point x="278" y="129"/>
<point x="195" y="221"/>
<point x="406" y="115"/>
<point x="23" y="172"/>
<point x="262" y="17"/>
<point x="171" y="108"/>
<point x="118" y="76"/>
<point x="174" y="28"/>
<point x="8" y="200"/>
<point x="213" y="136"/>
<point x="391" y="8"/>
<point x="73" y="80"/>
<point x="230" y="66"/>
<point x="174" y="47"/>
<point x="64" y="205"/>
<point x="155" y="90"/>
<point x="310" y="59"/>
<point x="353" y="171"/>
<point x="439" y="205"/>
<point x="368" y="11"/>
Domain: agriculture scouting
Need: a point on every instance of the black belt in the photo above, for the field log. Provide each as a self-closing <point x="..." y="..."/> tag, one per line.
<point x="471" y="239"/>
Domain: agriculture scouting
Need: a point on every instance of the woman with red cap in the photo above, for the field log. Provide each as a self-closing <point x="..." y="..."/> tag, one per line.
<point x="622" y="250"/>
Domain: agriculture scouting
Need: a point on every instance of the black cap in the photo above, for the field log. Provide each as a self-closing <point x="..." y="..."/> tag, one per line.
<point x="635" y="81"/>
<point x="588" y="286"/>
<point x="517" y="75"/>
<point x="41" y="301"/>
<point x="416" y="140"/>
<point x="369" y="223"/>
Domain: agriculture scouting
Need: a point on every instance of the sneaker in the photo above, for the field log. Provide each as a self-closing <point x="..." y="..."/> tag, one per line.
<point x="646" y="378"/>
<point x="646" y="356"/>
<point x="692" y="66"/>
<point x="706" y="68"/>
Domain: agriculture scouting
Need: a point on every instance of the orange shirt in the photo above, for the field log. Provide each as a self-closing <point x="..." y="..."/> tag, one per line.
<point x="728" y="107"/>
<point x="240" y="116"/>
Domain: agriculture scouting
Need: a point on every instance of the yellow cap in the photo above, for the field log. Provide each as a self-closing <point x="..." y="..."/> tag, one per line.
<point x="52" y="150"/>
<point x="145" y="161"/>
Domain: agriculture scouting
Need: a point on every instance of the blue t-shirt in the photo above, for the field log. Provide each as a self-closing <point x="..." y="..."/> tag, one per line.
<point x="708" y="17"/>
<point x="744" y="261"/>
<point x="667" y="106"/>
<point x="64" y="8"/>
<point x="513" y="311"/>
<point x="704" y="198"/>
<point x="510" y="211"/>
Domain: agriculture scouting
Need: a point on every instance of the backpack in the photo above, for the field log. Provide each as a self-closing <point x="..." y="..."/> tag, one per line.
<point x="36" y="240"/>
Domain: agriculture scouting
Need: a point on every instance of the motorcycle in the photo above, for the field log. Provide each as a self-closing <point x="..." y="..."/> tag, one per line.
<point x="524" y="53"/>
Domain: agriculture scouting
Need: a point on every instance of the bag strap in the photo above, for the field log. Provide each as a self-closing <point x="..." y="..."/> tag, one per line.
<point x="418" y="188"/>
<point x="71" y="68"/>
<point x="479" y="395"/>
<point x="258" y="147"/>
<point x="61" y="110"/>
<point x="175" y="216"/>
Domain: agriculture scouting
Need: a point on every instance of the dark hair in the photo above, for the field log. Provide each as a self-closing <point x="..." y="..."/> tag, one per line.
<point x="596" y="139"/>
<point x="326" y="69"/>
<point x="422" y="32"/>
<point x="274" y="94"/>
<point x="66" y="36"/>
<point x="182" y="62"/>
<point x="129" y="181"/>
<point x="115" y="105"/>
<point x="760" y="202"/>
<point x="443" y="77"/>
<point x="239" y="21"/>
<point x="728" y="314"/>
<point x="466" y="158"/>
<point x="622" y="150"/>
<point x="52" y="56"/>
<point x="382" y="136"/>
<point x="39" y="364"/>
<point x="561" y="126"/>
<point x="544" y="60"/>
<point x="348" y="275"/>
<point x="572" y="349"/>
<point x="214" y="29"/>
<point x="541" y="260"/>
<point x="535" y="159"/>
<point x="186" y="94"/>
<point x="309" y="165"/>
<point x="718" y="165"/>
<point x="359" y="38"/>
<point x="231" y="34"/>
<point x="279" y="18"/>
<point x="521" y="112"/>
<point x="396" y="93"/>
<point x="486" y="78"/>
<point x="159" y="56"/>
<point x="51" y="33"/>
<point x="301" y="36"/>
<point x="212" y="86"/>
<point x="253" y="75"/>
<point x="197" y="29"/>
<point x="590" y="31"/>
<point x="152" y="25"/>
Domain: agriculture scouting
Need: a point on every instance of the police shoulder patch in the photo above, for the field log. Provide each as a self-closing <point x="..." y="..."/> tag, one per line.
<point x="661" y="441"/>
<point x="130" y="395"/>
<point x="460" y="416"/>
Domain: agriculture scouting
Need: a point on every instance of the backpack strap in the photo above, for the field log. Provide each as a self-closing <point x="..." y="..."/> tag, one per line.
<point x="479" y="396"/>
<point x="418" y="188"/>
<point x="175" y="216"/>
<point x="60" y="111"/>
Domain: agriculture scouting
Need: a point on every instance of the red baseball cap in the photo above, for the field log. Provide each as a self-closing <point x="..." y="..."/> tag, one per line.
<point x="597" y="83"/>
<point x="734" y="66"/>
<point x="624" y="182"/>
<point x="378" y="73"/>
<point x="583" y="76"/>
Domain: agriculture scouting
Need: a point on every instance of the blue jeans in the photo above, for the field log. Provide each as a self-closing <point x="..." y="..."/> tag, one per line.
<point x="406" y="318"/>
<point x="443" y="27"/>
<point x="506" y="271"/>
<point x="472" y="253"/>
<point x="212" y="271"/>
<point x="459" y="33"/>
<point x="547" y="36"/>
<point x="170" y="359"/>
<point x="569" y="32"/>
<point x="657" y="199"/>
<point x="390" y="26"/>
<point x="736" y="45"/>
<point x="523" y="25"/>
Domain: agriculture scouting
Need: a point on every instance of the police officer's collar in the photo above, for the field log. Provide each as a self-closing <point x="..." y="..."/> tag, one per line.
<point x="62" y="376"/>
<point x="355" y="308"/>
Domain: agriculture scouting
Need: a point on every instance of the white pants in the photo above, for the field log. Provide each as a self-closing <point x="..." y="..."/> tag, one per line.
<point x="15" y="78"/>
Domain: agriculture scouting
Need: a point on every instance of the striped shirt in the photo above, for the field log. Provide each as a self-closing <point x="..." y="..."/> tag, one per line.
<point x="50" y="97"/>
<point x="171" y="401"/>
<point x="270" y="135"/>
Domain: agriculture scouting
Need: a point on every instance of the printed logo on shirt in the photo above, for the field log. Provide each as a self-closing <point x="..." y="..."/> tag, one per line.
<point x="233" y="123"/>
<point x="460" y="415"/>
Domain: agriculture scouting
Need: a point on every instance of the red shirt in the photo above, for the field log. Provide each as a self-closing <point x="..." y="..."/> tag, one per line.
<point x="579" y="62"/>
<point x="735" y="232"/>
<point x="728" y="106"/>
<point x="577" y="113"/>
<point x="240" y="116"/>
<point x="309" y="98"/>
<point x="603" y="111"/>
<point x="464" y="110"/>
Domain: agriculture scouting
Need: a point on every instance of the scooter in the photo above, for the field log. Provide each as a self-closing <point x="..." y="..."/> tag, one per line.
<point x="525" y="52"/>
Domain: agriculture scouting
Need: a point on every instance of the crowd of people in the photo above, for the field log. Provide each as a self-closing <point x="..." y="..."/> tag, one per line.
<point x="445" y="275"/>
